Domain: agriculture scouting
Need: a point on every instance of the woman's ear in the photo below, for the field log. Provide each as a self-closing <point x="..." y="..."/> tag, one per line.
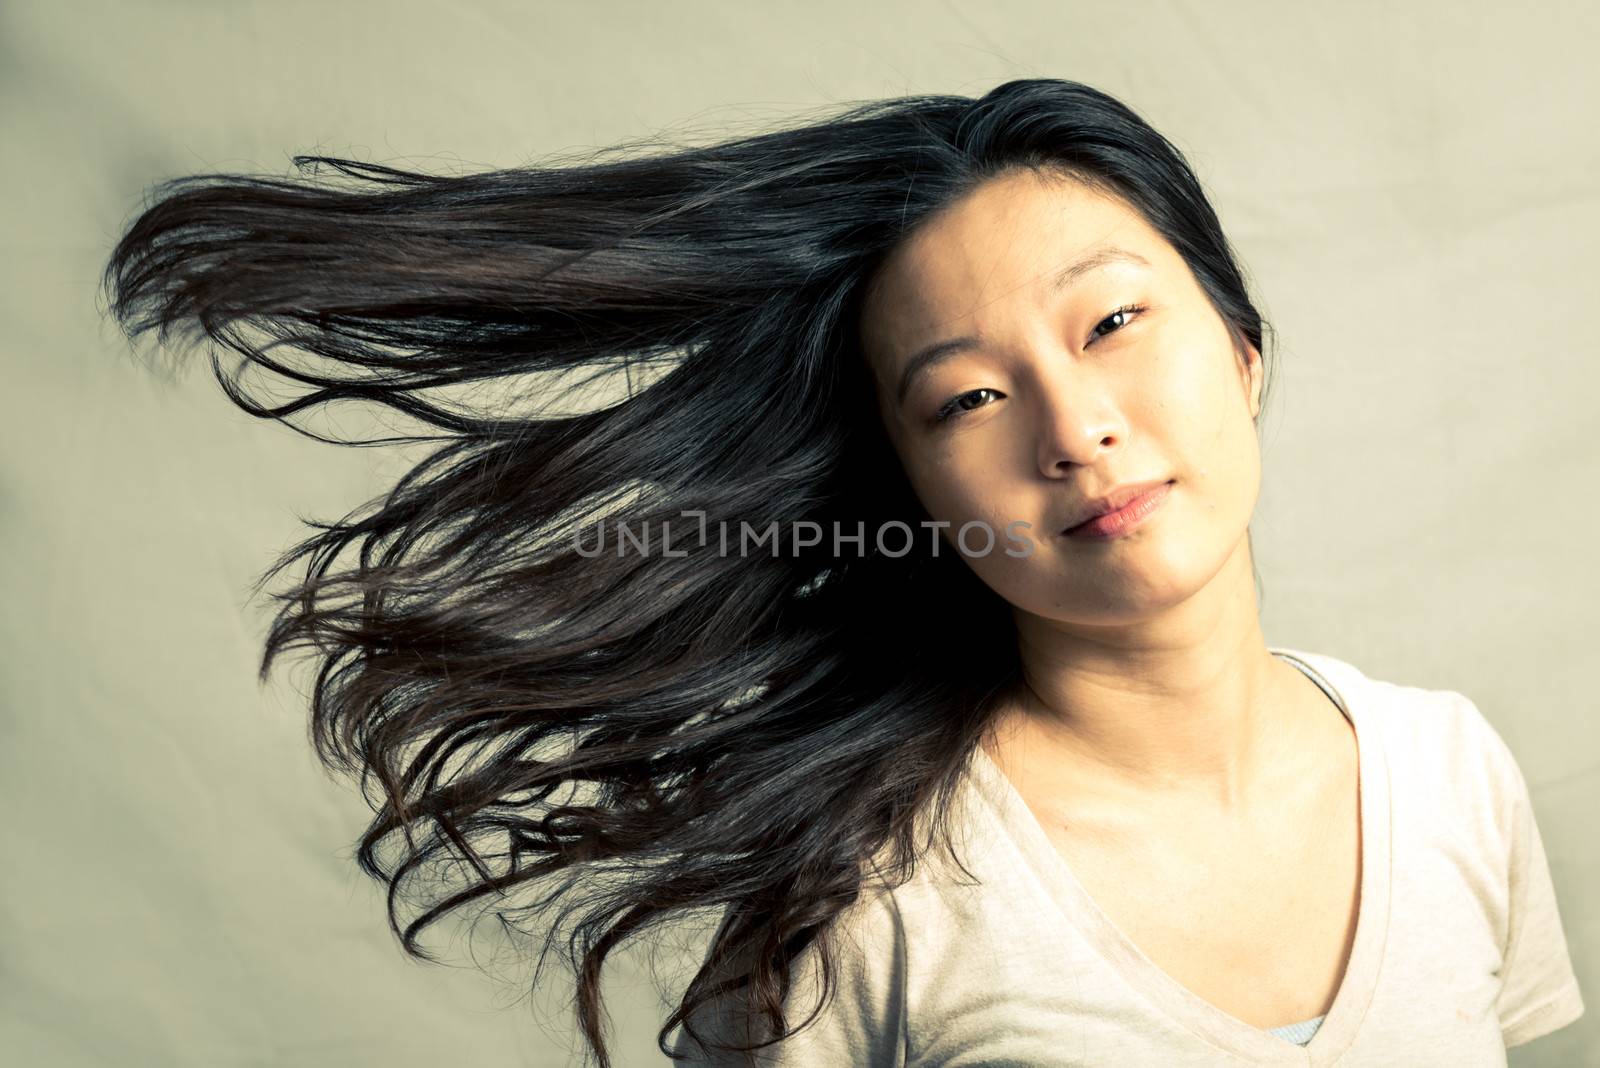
<point x="1253" y="373"/>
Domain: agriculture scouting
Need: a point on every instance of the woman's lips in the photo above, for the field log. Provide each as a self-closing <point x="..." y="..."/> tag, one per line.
<point x="1124" y="519"/>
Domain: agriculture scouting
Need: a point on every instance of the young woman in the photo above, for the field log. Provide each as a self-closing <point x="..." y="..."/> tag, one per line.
<point x="904" y="613"/>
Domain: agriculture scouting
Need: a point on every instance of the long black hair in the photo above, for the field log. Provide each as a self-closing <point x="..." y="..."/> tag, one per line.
<point x="555" y="711"/>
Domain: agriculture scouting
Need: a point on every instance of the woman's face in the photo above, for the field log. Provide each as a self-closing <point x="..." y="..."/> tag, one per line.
<point x="1054" y="400"/>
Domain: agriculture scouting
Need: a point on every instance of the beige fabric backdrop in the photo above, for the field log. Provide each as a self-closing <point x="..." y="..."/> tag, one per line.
<point x="1413" y="188"/>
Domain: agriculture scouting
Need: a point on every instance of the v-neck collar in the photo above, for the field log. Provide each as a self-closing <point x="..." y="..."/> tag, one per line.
<point x="1344" y="684"/>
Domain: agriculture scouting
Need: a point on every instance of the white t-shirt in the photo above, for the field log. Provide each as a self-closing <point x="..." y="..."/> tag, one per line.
<point x="1458" y="951"/>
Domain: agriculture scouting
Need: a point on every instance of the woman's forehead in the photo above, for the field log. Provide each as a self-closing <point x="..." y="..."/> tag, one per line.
<point x="1013" y="237"/>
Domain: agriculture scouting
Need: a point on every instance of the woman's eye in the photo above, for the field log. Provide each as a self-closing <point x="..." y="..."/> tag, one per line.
<point x="1122" y="316"/>
<point x="956" y="405"/>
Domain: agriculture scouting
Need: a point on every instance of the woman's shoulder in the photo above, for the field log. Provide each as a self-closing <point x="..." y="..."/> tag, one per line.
<point x="1405" y="712"/>
<point x="1436" y="740"/>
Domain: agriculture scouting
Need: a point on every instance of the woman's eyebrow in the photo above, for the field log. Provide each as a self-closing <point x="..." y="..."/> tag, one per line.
<point x="931" y="356"/>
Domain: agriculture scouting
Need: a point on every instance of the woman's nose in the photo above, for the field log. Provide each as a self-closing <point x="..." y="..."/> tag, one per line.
<point x="1073" y="430"/>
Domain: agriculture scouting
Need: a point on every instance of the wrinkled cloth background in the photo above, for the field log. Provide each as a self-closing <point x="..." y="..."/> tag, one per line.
<point x="1415" y="190"/>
